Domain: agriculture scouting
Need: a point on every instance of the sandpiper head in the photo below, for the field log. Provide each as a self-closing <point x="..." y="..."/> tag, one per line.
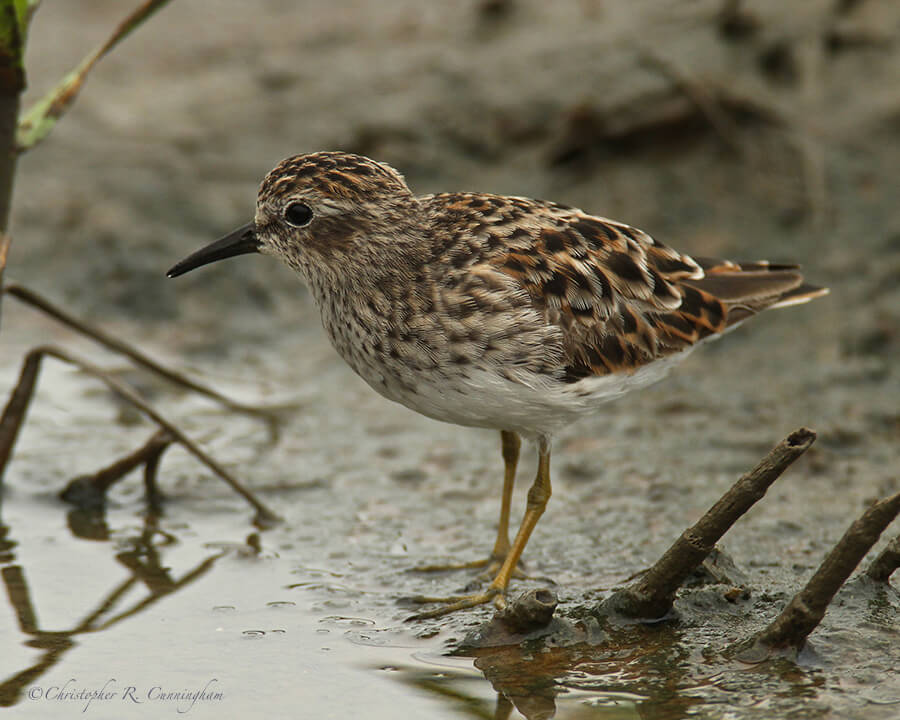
<point x="314" y="210"/>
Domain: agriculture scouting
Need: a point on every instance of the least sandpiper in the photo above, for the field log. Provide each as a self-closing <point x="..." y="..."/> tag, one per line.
<point x="489" y="311"/>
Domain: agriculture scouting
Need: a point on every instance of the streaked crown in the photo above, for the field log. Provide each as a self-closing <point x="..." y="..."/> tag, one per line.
<point x="332" y="174"/>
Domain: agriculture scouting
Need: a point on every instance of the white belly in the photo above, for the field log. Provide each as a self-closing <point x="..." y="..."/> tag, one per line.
<point x="531" y="406"/>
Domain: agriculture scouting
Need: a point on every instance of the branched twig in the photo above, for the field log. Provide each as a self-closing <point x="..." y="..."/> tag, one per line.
<point x="651" y="596"/>
<point x="807" y="608"/>
<point x="14" y="414"/>
<point x="29" y="297"/>
<point x="151" y="468"/>
<point x="38" y="120"/>
<point x="88" y="492"/>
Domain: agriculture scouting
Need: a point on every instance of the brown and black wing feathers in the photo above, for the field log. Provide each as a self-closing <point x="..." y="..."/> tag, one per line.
<point x="623" y="299"/>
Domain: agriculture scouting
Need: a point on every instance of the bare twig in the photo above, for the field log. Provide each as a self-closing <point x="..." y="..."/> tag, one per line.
<point x="89" y="491"/>
<point x="38" y="120"/>
<point x="16" y="407"/>
<point x="12" y="83"/>
<point x="5" y="242"/>
<point x="807" y="608"/>
<point x="652" y="595"/>
<point x="14" y="413"/>
<point x="151" y="468"/>
<point x="886" y="563"/>
<point x="29" y="297"/>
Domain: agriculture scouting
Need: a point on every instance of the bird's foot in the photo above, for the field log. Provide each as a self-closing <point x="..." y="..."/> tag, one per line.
<point x="458" y="602"/>
<point x="491" y="566"/>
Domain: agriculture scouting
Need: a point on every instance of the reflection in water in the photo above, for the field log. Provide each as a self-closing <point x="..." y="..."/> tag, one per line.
<point x="530" y="696"/>
<point x="636" y="673"/>
<point x="142" y="560"/>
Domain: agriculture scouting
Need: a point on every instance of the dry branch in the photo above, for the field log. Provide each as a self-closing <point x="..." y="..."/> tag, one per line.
<point x="807" y="608"/>
<point x="88" y="492"/>
<point x="652" y="595"/>
<point x="5" y="242"/>
<point x="29" y="297"/>
<point x="14" y="414"/>
<point x="16" y="408"/>
<point x="39" y="120"/>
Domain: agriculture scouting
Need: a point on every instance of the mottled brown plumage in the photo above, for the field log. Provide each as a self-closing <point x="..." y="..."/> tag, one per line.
<point x="498" y="312"/>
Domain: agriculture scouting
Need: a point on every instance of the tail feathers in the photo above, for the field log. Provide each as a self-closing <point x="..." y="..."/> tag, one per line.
<point x="718" y="265"/>
<point x="799" y="295"/>
<point x="745" y="292"/>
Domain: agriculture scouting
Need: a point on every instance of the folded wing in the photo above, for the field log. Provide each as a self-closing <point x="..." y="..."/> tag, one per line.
<point x="622" y="299"/>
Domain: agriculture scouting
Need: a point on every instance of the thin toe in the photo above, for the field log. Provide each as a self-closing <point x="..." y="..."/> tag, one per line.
<point x="457" y="602"/>
<point x="489" y="567"/>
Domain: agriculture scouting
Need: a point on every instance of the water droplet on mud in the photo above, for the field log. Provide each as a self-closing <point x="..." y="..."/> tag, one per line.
<point x="345" y="620"/>
<point x="281" y="604"/>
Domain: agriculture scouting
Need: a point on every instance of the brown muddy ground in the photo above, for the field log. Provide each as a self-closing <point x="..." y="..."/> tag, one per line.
<point x="773" y="133"/>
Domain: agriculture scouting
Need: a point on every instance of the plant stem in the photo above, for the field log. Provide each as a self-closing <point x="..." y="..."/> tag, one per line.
<point x="9" y="114"/>
<point x="12" y="83"/>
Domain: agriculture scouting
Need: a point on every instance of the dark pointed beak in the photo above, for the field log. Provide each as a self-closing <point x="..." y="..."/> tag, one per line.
<point x="240" y="242"/>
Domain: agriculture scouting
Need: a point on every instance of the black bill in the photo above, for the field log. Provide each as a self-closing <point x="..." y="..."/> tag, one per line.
<point x="240" y="242"/>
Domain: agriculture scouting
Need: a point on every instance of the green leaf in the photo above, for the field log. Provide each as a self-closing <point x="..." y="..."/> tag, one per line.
<point x="38" y="121"/>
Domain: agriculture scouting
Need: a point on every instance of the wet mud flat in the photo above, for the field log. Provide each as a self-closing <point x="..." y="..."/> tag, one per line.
<point x="320" y="598"/>
<point x="310" y="612"/>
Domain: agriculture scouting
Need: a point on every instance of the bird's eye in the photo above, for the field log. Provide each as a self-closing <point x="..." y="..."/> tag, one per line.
<point x="298" y="214"/>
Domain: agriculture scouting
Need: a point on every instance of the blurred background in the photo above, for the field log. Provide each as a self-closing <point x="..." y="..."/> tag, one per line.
<point x="750" y="130"/>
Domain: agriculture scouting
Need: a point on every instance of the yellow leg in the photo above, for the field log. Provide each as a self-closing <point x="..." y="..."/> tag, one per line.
<point x="538" y="495"/>
<point x="509" y="444"/>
